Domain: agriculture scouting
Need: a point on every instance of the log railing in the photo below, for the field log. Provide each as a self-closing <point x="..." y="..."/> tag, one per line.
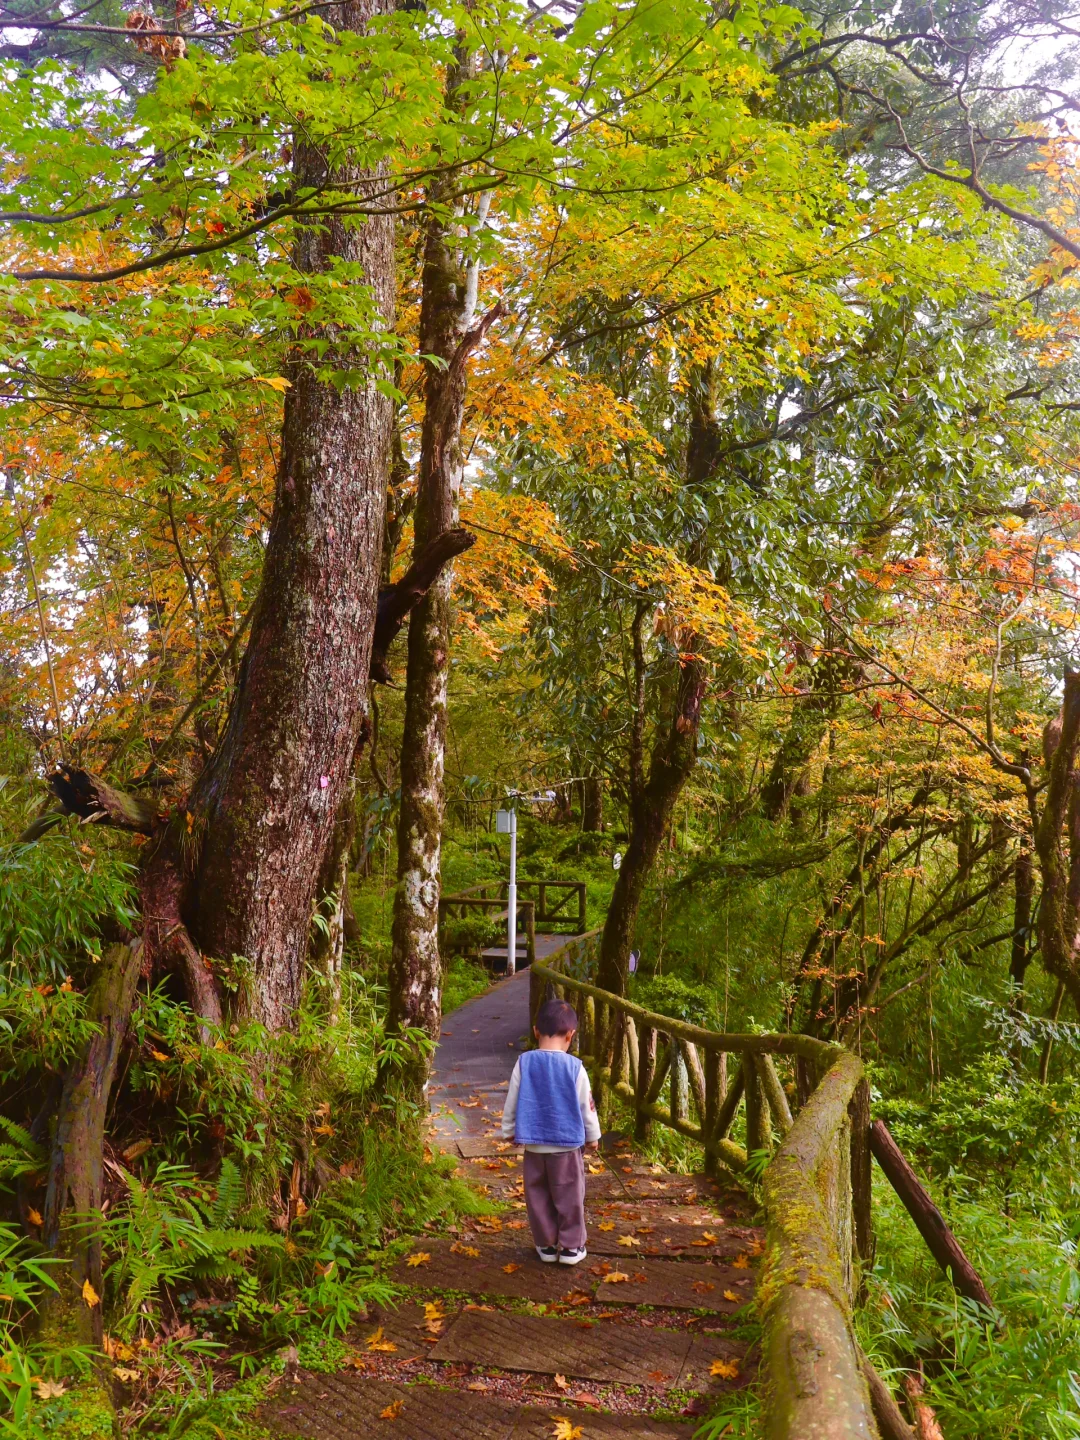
<point x="815" y="1184"/>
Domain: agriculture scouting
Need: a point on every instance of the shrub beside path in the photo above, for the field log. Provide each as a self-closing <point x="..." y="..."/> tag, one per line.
<point x="489" y="1343"/>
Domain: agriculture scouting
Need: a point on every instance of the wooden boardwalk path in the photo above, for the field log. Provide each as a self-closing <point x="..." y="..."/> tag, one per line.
<point x="490" y="1343"/>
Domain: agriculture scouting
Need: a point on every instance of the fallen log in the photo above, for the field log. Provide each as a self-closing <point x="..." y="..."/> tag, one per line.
<point x="940" y="1240"/>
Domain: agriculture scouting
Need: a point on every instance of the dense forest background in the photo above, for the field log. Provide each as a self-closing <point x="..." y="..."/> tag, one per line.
<point x="666" y="413"/>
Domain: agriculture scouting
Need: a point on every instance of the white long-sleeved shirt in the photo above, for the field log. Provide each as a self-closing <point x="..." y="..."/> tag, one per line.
<point x="585" y="1100"/>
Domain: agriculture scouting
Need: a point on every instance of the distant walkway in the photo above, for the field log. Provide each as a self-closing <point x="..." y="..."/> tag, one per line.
<point x="480" y="1043"/>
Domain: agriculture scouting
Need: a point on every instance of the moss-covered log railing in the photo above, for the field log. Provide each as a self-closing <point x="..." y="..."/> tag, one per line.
<point x="816" y="1184"/>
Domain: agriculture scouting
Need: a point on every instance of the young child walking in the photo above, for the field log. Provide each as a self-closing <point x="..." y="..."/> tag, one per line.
<point x="549" y="1109"/>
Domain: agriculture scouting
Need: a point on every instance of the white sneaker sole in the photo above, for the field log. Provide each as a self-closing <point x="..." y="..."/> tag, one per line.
<point x="565" y="1260"/>
<point x="547" y="1259"/>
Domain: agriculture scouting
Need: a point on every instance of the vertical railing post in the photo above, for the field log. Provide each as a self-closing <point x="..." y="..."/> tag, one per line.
<point x="530" y="931"/>
<point x="755" y="1109"/>
<point x="713" y="1096"/>
<point x="587" y="1021"/>
<point x="861" y="1176"/>
<point x="680" y="1087"/>
<point x="645" y="1073"/>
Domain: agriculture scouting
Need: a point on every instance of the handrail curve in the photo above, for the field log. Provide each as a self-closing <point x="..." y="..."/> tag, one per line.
<point x="815" y="1188"/>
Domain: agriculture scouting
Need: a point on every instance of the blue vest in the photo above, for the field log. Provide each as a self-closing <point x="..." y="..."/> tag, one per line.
<point x="548" y="1112"/>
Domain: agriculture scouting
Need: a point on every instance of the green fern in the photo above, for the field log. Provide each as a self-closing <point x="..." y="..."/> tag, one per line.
<point x="230" y="1193"/>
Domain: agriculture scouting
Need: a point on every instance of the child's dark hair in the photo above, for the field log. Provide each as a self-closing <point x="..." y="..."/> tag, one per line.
<point x="556" y="1017"/>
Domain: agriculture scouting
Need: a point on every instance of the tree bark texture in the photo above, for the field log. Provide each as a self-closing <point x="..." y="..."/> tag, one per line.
<point x="592" y="803"/>
<point x="1023" y="895"/>
<point x="265" y="808"/>
<point x="446" y="339"/>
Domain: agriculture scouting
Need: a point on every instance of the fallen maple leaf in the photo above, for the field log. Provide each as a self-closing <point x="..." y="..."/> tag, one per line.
<point x="741" y="1262"/>
<point x="659" y="1376"/>
<point x="470" y="1250"/>
<point x="392" y="1411"/>
<point x="479" y="1307"/>
<point x="709" y="1237"/>
<point x="420" y="1258"/>
<point x="90" y="1295"/>
<point x="725" y="1369"/>
<point x="615" y="1278"/>
<point x="34" y="1216"/>
<point x="509" y="1269"/>
<point x="703" y="1287"/>
<point x="565" y="1429"/>
<point x="377" y="1342"/>
<point x="123" y="1373"/>
<point x="730" y="1295"/>
<point x="606" y="1225"/>
<point x="561" y="1382"/>
<point x="51" y="1389"/>
<point x="478" y="1385"/>
<point x="628" y="1241"/>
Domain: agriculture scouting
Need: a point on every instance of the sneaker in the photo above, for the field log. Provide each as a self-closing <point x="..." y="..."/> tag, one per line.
<point x="572" y="1257"/>
<point x="547" y="1253"/>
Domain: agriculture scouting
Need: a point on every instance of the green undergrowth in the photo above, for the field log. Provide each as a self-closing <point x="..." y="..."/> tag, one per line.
<point x="464" y="980"/>
<point x="998" y="1152"/>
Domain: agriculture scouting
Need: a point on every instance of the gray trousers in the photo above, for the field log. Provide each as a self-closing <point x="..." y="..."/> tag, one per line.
<point x="555" y="1198"/>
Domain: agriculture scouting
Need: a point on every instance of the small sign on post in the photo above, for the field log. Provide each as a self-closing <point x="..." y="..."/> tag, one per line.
<point x="616" y="860"/>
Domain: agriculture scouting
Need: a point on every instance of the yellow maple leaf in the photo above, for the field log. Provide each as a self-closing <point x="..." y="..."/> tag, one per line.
<point x="606" y="1225"/>
<point x="90" y="1295"/>
<point x="420" y="1258"/>
<point x="741" y="1262"/>
<point x="725" y="1369"/>
<point x="34" y="1216"/>
<point x="433" y="1310"/>
<point x="377" y="1342"/>
<point x="509" y="1269"/>
<point x="470" y="1250"/>
<point x="123" y="1373"/>
<point x="709" y="1237"/>
<point x="392" y="1410"/>
<point x="730" y="1295"/>
<point x="158" y="1055"/>
<point x="616" y="1277"/>
<point x="565" y="1429"/>
<point x="627" y="1240"/>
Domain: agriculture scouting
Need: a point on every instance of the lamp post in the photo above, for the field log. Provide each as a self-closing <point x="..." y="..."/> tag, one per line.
<point x="506" y="824"/>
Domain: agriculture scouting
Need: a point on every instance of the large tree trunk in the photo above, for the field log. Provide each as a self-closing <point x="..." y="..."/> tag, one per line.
<point x="265" y="808"/>
<point x="448" y="298"/>
<point x="592" y="802"/>
<point x="674" y="755"/>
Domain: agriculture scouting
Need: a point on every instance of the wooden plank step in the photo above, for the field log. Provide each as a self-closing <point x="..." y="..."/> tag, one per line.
<point x="351" y="1407"/>
<point x="587" y="1350"/>
<point x="505" y="1268"/>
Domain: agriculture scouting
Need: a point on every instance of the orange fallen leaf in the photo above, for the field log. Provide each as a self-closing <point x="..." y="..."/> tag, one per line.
<point x="565" y="1429"/>
<point x="615" y="1278"/>
<point x="377" y="1342"/>
<point x="709" y="1237"/>
<point x="703" y="1287"/>
<point x="470" y="1250"/>
<point x="34" y="1216"/>
<point x="606" y="1225"/>
<point x="659" y="1376"/>
<point x="479" y="1307"/>
<point x="509" y="1269"/>
<point x="730" y="1295"/>
<point x="561" y="1382"/>
<point x="741" y="1262"/>
<point x="392" y="1411"/>
<point x="725" y="1369"/>
<point x="420" y="1258"/>
<point x="90" y="1295"/>
<point x="157" y="1054"/>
